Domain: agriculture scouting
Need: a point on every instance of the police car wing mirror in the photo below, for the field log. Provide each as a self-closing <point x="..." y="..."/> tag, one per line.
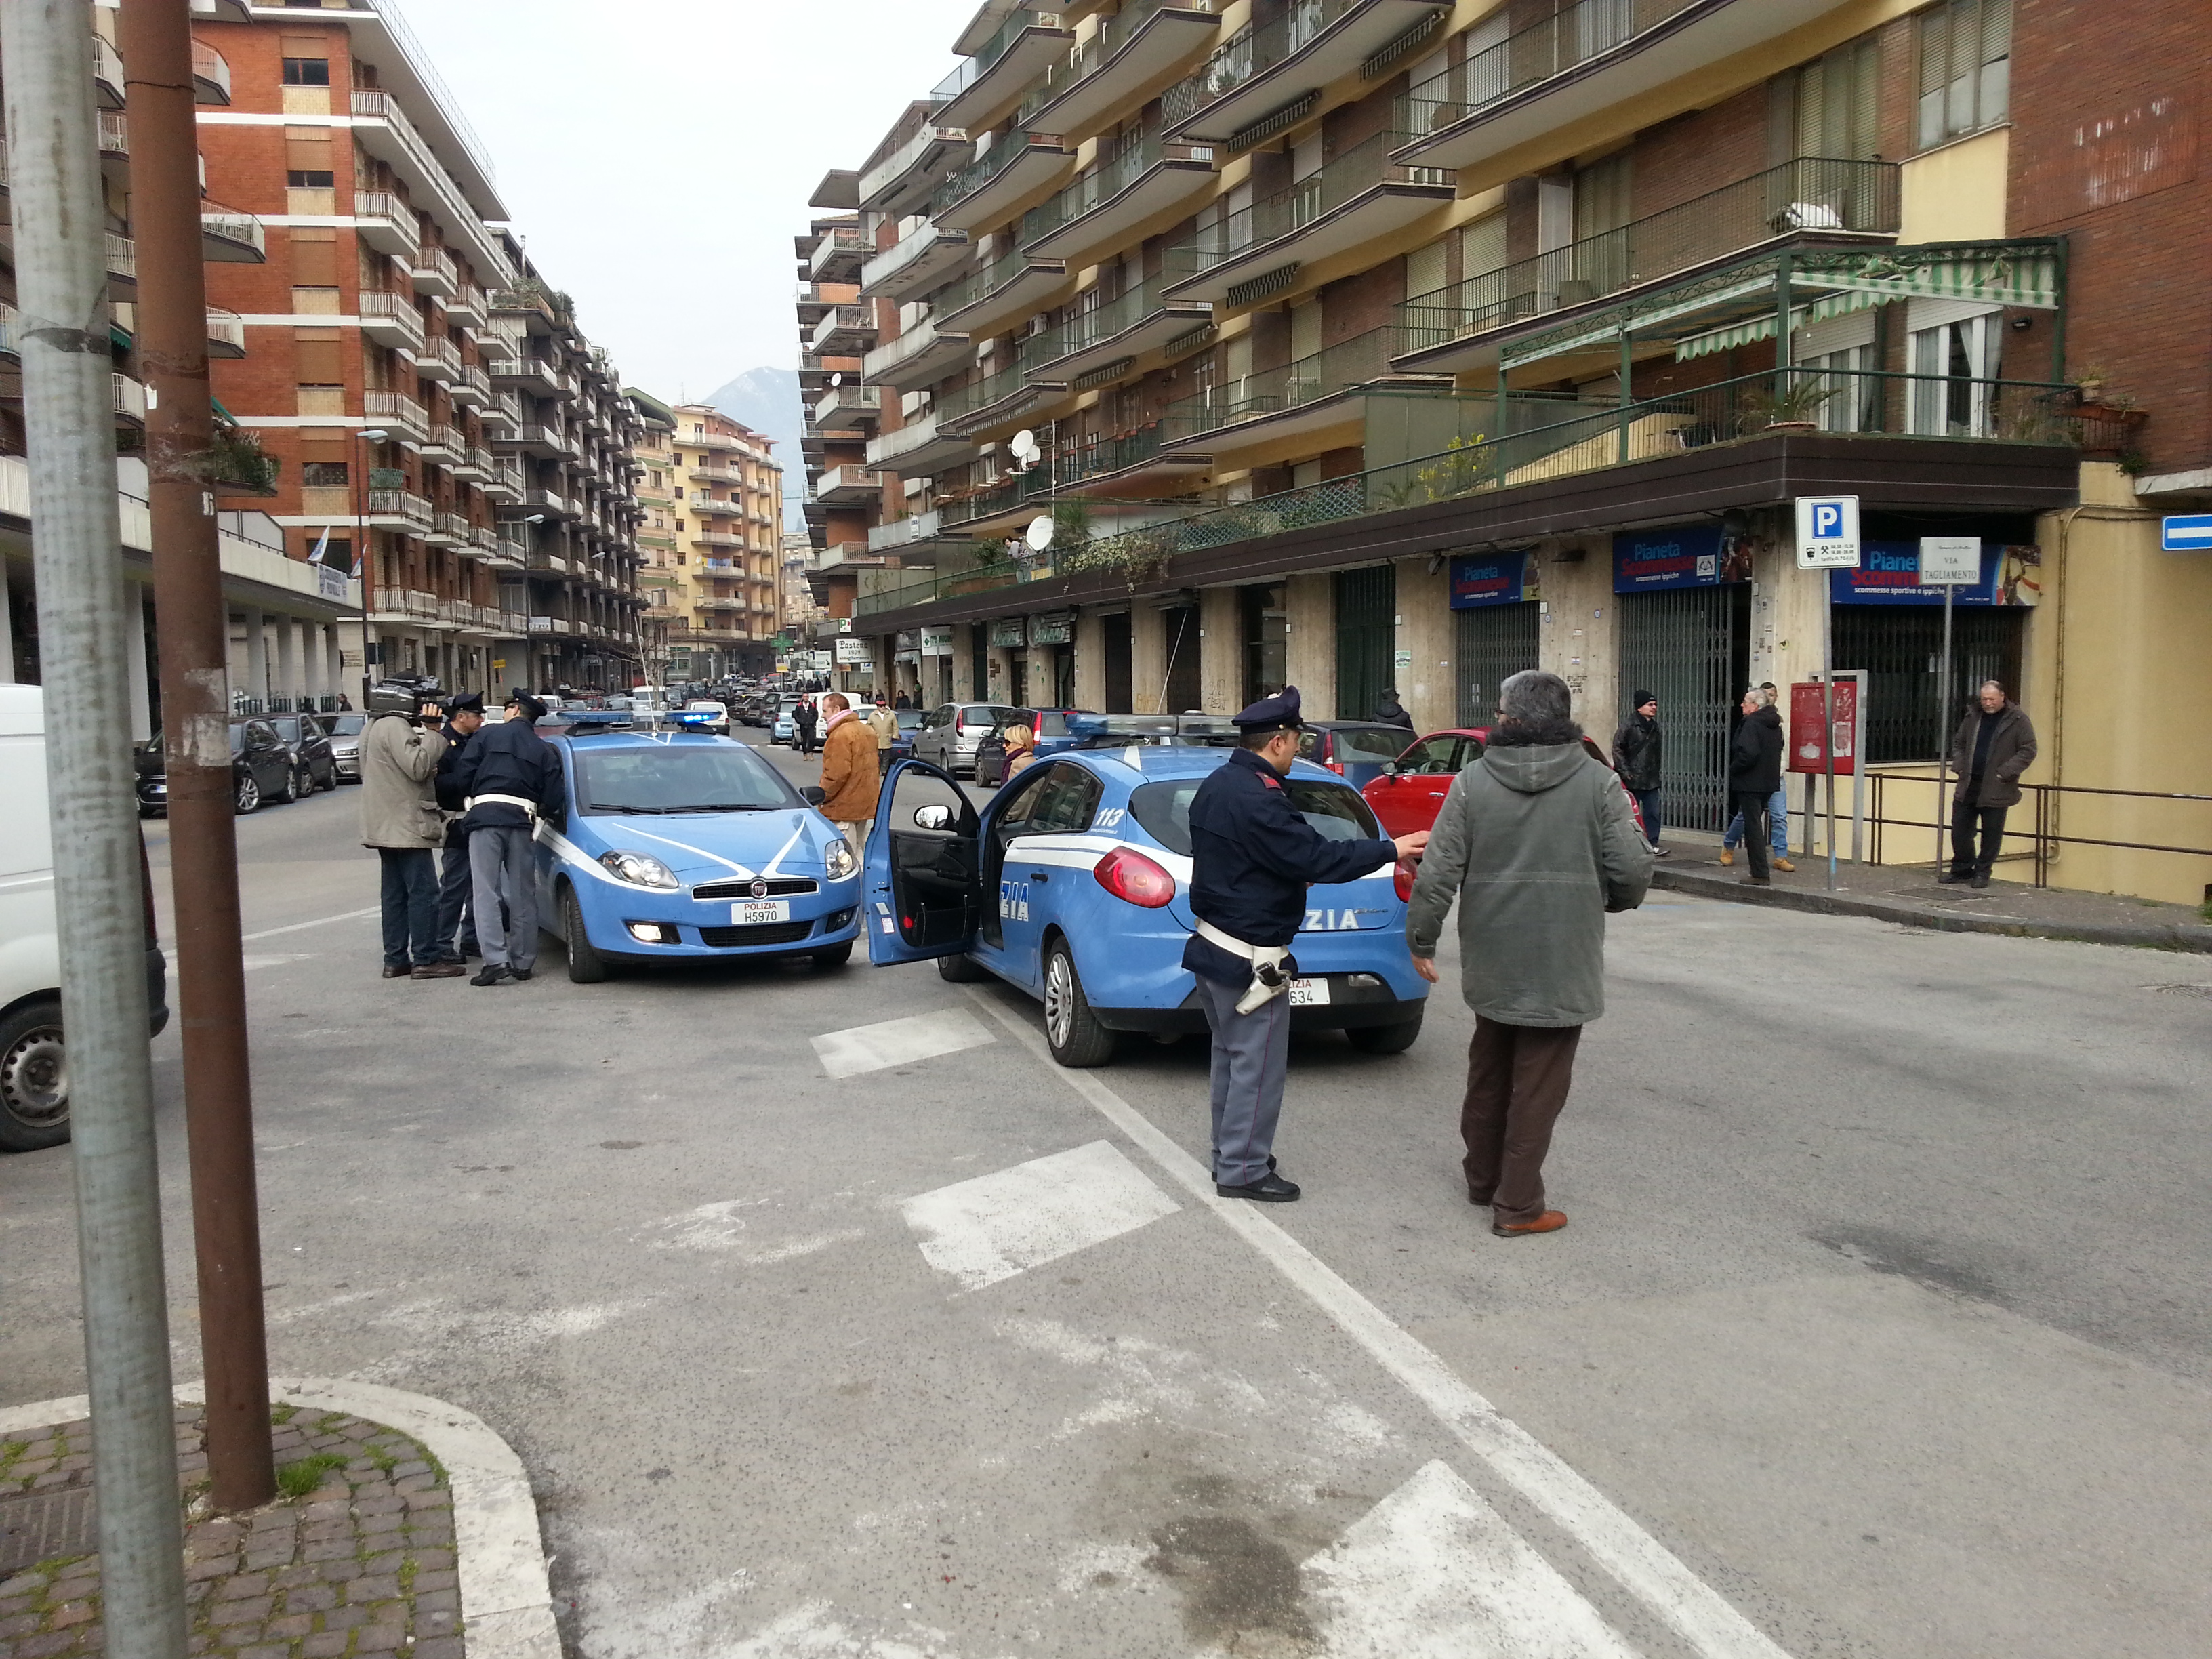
<point x="814" y="794"/>
<point x="932" y="817"/>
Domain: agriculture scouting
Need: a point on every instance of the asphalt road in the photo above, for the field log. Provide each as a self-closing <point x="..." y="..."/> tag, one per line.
<point x="1880" y="1327"/>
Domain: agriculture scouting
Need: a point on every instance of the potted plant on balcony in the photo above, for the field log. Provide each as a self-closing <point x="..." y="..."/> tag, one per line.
<point x="1795" y="408"/>
<point x="234" y="463"/>
<point x="2106" y="420"/>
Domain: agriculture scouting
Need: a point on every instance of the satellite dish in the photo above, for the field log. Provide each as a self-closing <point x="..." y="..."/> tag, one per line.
<point x="1024" y="446"/>
<point x="1040" y="533"/>
<point x="836" y="380"/>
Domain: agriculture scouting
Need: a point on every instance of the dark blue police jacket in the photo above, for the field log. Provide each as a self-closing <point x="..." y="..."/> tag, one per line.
<point x="1252" y="859"/>
<point x="506" y="759"/>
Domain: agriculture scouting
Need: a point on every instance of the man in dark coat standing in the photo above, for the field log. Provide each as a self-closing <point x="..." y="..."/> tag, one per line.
<point x="1754" y="773"/>
<point x="463" y="715"/>
<point x="1636" y="750"/>
<point x="1252" y="859"/>
<point x="1391" y="712"/>
<point x="1994" y="745"/>
<point x="507" y="778"/>
<point x="803" y="719"/>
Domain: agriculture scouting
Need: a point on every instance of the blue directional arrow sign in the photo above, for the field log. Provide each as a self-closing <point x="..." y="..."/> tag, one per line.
<point x="2188" y="533"/>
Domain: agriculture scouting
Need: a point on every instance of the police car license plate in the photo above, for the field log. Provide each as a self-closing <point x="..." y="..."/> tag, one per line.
<point x="1309" y="993"/>
<point x="752" y="912"/>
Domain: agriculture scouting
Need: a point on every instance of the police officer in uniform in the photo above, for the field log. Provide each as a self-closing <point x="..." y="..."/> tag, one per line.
<point x="1253" y="858"/>
<point x="465" y="715"/>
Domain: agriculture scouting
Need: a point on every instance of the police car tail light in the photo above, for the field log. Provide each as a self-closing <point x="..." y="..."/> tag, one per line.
<point x="1402" y="879"/>
<point x="1133" y="877"/>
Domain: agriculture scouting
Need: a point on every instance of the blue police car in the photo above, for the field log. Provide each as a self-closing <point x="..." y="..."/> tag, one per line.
<point x="674" y="845"/>
<point x="1073" y="884"/>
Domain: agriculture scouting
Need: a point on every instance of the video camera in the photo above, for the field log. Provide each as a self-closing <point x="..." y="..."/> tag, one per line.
<point x="403" y="694"/>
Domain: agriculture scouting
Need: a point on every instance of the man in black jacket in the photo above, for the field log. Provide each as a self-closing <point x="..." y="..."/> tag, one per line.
<point x="1635" y="752"/>
<point x="1252" y="859"/>
<point x="1994" y="744"/>
<point x="1391" y="712"/>
<point x="1754" y="773"/>
<point x="507" y="778"/>
<point x="465" y="713"/>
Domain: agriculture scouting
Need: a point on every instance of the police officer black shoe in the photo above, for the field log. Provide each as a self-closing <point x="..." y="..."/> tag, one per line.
<point x="400" y="972"/>
<point x="492" y="972"/>
<point x="1270" y="1189"/>
<point x="1981" y="879"/>
<point x="1948" y="878"/>
<point x="521" y="973"/>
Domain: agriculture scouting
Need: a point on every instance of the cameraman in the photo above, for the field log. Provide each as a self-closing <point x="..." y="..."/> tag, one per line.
<point x="400" y="748"/>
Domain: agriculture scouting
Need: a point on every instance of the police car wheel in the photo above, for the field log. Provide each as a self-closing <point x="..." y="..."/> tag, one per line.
<point x="1070" y="1029"/>
<point x="960" y="970"/>
<point x="835" y="956"/>
<point x="1385" y="1039"/>
<point x="586" y="965"/>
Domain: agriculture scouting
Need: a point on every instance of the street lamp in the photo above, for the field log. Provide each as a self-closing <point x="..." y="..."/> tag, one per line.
<point x="370" y="651"/>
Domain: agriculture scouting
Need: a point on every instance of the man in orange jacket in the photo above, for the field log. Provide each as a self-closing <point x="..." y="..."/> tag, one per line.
<point x="849" y="773"/>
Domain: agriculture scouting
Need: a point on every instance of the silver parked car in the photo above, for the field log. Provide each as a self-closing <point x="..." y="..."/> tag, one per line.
<point x="948" y="733"/>
<point x="345" y="729"/>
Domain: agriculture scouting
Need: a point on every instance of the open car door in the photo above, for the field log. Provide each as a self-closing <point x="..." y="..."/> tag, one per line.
<point x="920" y="877"/>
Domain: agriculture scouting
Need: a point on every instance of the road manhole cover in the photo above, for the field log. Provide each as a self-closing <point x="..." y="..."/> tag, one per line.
<point x="42" y="1525"/>
<point x="2203" y="991"/>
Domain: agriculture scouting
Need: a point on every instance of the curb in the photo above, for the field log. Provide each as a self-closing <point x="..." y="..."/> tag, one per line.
<point x="507" y="1604"/>
<point x="2151" y="937"/>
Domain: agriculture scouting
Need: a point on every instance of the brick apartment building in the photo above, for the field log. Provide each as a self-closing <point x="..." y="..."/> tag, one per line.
<point x="1356" y="343"/>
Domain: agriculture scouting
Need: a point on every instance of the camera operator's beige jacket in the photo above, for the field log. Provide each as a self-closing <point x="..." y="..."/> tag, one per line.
<point x="398" y="801"/>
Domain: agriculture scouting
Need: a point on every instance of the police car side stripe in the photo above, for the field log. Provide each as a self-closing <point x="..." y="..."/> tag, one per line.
<point x="699" y="852"/>
<point x="776" y="863"/>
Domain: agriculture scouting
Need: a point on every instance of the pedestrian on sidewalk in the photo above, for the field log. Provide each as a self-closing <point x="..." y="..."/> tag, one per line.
<point x="850" y="778"/>
<point x="1537" y="843"/>
<point x="1635" y="752"/>
<point x="885" y="725"/>
<point x="1252" y="858"/>
<point x="400" y="747"/>
<point x="803" y="720"/>
<point x="902" y="701"/>
<point x="1391" y="712"/>
<point x="465" y="715"/>
<point x="1020" y="751"/>
<point x="508" y="777"/>
<point x="1777" y="811"/>
<point x="1754" y="775"/>
<point x="1994" y="745"/>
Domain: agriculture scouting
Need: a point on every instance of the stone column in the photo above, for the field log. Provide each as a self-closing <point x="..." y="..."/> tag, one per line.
<point x="257" y="657"/>
<point x="964" y="688"/>
<point x="332" y="643"/>
<point x="134" y="660"/>
<point x="1425" y="680"/>
<point x="1148" y="657"/>
<point x="1309" y="651"/>
<point x="1090" y="649"/>
<point x="1220" y="659"/>
<point x="1002" y="688"/>
<point x="288" y="662"/>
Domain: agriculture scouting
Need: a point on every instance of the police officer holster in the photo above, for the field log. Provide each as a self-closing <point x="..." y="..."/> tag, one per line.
<point x="1269" y="980"/>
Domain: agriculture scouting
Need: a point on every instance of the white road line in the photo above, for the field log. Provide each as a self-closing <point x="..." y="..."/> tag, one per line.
<point x="997" y="1225"/>
<point x="1643" y="1565"/>
<point x="319" y="921"/>
<point x="1433" y="1572"/>
<point x="900" y="1042"/>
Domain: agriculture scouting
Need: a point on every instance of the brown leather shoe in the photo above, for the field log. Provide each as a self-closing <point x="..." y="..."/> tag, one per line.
<point x="1728" y="857"/>
<point x="390" y="972"/>
<point x="1785" y="864"/>
<point x="1550" y="1222"/>
<point x="440" y="970"/>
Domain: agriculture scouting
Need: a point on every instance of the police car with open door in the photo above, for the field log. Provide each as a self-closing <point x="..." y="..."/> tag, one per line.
<point x="1073" y="884"/>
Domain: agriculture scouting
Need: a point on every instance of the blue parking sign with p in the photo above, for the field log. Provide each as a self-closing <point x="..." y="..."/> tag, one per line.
<point x="1827" y="532"/>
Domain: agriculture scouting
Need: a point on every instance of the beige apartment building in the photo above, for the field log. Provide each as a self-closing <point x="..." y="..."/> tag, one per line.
<point x="1367" y="343"/>
<point x="724" y="506"/>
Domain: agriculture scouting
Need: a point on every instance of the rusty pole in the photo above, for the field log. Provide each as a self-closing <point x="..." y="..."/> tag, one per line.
<point x="192" y="628"/>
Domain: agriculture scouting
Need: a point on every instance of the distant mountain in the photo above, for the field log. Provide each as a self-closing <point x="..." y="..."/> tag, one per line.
<point x="767" y="400"/>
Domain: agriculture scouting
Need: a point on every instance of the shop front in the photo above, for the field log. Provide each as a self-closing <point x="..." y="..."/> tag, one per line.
<point x="1683" y="597"/>
<point x="1497" y="623"/>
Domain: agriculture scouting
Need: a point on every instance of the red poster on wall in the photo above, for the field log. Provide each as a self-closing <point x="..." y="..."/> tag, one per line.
<point x="1806" y="753"/>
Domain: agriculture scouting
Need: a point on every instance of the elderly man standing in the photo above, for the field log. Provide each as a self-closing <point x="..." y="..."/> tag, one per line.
<point x="400" y="748"/>
<point x="1537" y="843"/>
<point x="850" y="775"/>
<point x="1994" y="745"/>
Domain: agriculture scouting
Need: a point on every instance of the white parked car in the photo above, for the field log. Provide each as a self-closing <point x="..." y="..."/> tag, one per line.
<point x="34" y="1077"/>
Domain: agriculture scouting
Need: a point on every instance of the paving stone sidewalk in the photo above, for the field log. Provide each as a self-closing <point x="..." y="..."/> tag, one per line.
<point x="359" y="1562"/>
<point x="1909" y="893"/>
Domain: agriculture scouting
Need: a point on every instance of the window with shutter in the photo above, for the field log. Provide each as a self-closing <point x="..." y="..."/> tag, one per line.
<point x="1965" y="69"/>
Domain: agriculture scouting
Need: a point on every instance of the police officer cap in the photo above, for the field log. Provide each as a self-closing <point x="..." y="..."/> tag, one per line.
<point x="464" y="702"/>
<point x="1277" y="714"/>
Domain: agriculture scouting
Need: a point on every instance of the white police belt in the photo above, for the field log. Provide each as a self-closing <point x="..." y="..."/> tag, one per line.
<point x="1268" y="980"/>
<point x="527" y="806"/>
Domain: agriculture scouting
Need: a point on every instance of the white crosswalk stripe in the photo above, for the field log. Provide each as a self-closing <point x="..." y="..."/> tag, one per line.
<point x="900" y="1042"/>
<point x="997" y="1225"/>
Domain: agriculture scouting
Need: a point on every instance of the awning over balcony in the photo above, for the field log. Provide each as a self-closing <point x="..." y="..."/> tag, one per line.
<point x="2029" y="283"/>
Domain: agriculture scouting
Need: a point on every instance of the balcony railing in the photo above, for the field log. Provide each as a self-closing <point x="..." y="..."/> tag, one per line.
<point x="1008" y="149"/>
<point x="1365" y="167"/>
<point x="955" y="405"/>
<point x="1808" y="195"/>
<point x="1249" y="53"/>
<point x="396" y="410"/>
<point x="1134" y="156"/>
<point x="1551" y="45"/>
<point x="400" y="504"/>
<point x="986" y="56"/>
<point x="1083" y="330"/>
<point x="1360" y="361"/>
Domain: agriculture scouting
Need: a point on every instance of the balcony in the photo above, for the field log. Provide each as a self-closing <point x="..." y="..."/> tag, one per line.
<point x="390" y="319"/>
<point x="918" y="537"/>
<point x="115" y="144"/>
<point x="983" y="192"/>
<point x="813" y="301"/>
<point x="129" y="399"/>
<point x="924" y="352"/>
<point x="1136" y="47"/>
<point x="997" y="399"/>
<point x="471" y="463"/>
<point x="1295" y="399"/>
<point x="211" y="74"/>
<point x="710" y="507"/>
<point x="435" y="273"/>
<point x="552" y="505"/>
<point x="1138" y="182"/>
<point x="1812" y="199"/>
<point x="717" y="539"/>
<point x="544" y="443"/>
<point x="122" y="267"/>
<point x="849" y="486"/>
<point x="386" y="223"/>
<point x="439" y="359"/>
<point x="502" y="416"/>
<point x="1000" y="64"/>
<point x="1266" y="70"/>
<point x="107" y="73"/>
<point x="232" y="239"/>
<point x="470" y="386"/>
<point x="498" y="341"/>
<point x="845" y="331"/>
<point x="446" y="444"/>
<point x="1355" y="198"/>
<point x="838" y="257"/>
<point x="226" y="333"/>
<point x="467" y="307"/>
<point x="845" y="409"/>
<point x="531" y="375"/>
<point x="397" y="413"/>
<point x="985" y="301"/>
<point x="919" y="448"/>
<point x="1589" y="57"/>
<point x="898" y="184"/>
<point x="1111" y="463"/>
<point x="401" y="509"/>
<point x="503" y="484"/>
<point x="916" y="263"/>
<point x="447" y="529"/>
<point x="1137" y="321"/>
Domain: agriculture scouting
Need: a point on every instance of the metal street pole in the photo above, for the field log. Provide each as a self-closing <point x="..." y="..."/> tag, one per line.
<point x="1828" y="709"/>
<point x="192" y="626"/>
<point x="369" y="652"/>
<point x="61" y="282"/>
<point x="1943" y="727"/>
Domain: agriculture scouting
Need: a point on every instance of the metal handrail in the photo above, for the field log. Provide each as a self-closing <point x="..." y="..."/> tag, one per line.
<point x="1549" y="46"/>
<point x="1366" y="166"/>
<point x="1251" y="53"/>
<point x="2044" y="835"/>
<point x="1135" y="155"/>
<point x="986" y="56"/>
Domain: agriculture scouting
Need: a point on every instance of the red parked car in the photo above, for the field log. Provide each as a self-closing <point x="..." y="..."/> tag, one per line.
<point x="1408" y="796"/>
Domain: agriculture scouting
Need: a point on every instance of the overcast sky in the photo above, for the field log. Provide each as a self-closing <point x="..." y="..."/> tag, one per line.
<point x="659" y="154"/>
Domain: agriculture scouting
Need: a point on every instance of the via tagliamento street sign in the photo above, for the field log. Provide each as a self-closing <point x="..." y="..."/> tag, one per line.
<point x="2187" y="533"/>
<point x="1950" y="561"/>
<point x="1827" y="532"/>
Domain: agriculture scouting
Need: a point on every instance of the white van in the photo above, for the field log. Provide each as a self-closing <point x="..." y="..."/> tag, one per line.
<point x="33" y="1078"/>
